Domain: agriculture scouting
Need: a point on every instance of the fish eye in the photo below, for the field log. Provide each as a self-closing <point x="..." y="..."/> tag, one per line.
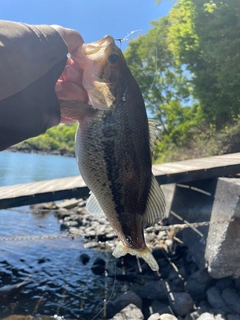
<point x="113" y="58"/>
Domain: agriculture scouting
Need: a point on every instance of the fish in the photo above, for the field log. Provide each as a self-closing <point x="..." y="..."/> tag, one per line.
<point x="113" y="149"/>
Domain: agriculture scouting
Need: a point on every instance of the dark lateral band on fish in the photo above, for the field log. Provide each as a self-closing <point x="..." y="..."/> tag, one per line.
<point x="113" y="149"/>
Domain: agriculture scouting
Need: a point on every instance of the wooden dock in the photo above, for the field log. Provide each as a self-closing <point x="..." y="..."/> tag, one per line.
<point x="74" y="187"/>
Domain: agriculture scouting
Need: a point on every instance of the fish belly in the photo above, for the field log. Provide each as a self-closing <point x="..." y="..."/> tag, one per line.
<point x="110" y="166"/>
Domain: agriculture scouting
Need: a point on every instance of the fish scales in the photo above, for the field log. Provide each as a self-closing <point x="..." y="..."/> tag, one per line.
<point x="113" y="150"/>
<point x="121" y="168"/>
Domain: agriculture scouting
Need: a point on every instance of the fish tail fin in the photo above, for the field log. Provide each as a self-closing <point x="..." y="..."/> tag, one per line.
<point x="145" y="254"/>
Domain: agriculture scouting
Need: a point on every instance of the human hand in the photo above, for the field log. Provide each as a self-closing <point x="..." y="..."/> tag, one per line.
<point x="69" y="85"/>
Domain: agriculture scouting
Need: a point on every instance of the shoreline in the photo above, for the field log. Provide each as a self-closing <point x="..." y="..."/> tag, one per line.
<point x="64" y="153"/>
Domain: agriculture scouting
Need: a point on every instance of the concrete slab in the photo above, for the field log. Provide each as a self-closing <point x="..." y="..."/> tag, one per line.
<point x="223" y="243"/>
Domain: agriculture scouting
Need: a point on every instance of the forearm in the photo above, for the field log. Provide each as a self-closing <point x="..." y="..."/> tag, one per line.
<point x="26" y="54"/>
<point x="31" y="111"/>
<point x="32" y="59"/>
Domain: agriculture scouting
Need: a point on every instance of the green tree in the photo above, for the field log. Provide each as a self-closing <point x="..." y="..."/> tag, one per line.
<point x="164" y="83"/>
<point x="205" y="39"/>
<point x="61" y="138"/>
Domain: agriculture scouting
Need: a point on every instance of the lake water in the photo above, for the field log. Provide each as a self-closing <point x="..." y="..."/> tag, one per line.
<point x="18" y="167"/>
<point x="57" y="282"/>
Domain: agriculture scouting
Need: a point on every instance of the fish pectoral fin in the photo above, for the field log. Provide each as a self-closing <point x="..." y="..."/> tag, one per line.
<point x="145" y="254"/>
<point x="156" y="205"/>
<point x="93" y="207"/>
<point x="74" y="110"/>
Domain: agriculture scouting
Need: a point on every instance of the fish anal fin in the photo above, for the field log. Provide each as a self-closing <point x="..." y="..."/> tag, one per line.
<point x="155" y="208"/>
<point x="93" y="207"/>
<point x="145" y="254"/>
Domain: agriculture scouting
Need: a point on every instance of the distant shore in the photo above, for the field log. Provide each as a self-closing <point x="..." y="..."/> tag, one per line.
<point x="64" y="153"/>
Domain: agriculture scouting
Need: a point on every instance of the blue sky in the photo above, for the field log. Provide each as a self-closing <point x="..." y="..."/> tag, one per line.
<point x="92" y="18"/>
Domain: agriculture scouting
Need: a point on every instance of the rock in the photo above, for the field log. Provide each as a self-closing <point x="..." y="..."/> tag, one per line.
<point x="68" y="204"/>
<point x="181" y="303"/>
<point x="219" y="317"/>
<point x="198" y="283"/>
<point x="130" y="312"/>
<point x="90" y="234"/>
<point x="158" y="253"/>
<point x="232" y="299"/>
<point x="177" y="285"/>
<point x="98" y="266"/>
<point x="122" y="301"/>
<point x="153" y="290"/>
<point x="233" y="317"/>
<point x="169" y="243"/>
<point x="68" y="224"/>
<point x="90" y="245"/>
<point x="62" y="213"/>
<point x="215" y="299"/>
<point x="173" y="274"/>
<point x="159" y="307"/>
<point x="164" y="267"/>
<point x="75" y="231"/>
<point x="74" y="217"/>
<point x="237" y="283"/>
<point x="224" y="283"/>
<point x="164" y="316"/>
<point x="98" y="269"/>
<point x="222" y="249"/>
<point x="162" y="235"/>
<point x="110" y="236"/>
<point x="36" y="208"/>
<point x="206" y="316"/>
<point x="196" y="314"/>
<point x="84" y="258"/>
<point x="81" y="203"/>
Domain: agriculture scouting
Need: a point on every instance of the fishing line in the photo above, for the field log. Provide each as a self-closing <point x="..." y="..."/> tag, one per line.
<point x="126" y="38"/>
<point x="114" y="284"/>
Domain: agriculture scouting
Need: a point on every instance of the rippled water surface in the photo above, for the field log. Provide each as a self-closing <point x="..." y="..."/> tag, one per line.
<point x="52" y="279"/>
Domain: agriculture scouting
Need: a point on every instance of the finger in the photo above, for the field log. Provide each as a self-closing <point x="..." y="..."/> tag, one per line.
<point x="72" y="74"/>
<point x="66" y="121"/>
<point x="71" y="91"/>
<point x="72" y="38"/>
<point x="79" y="57"/>
<point x="68" y="63"/>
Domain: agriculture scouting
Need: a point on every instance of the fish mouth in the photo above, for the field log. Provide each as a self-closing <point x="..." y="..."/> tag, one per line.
<point x="96" y="49"/>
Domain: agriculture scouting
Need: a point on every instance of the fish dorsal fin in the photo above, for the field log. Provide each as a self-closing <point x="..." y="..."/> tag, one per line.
<point x="155" y="208"/>
<point x="93" y="207"/>
<point x="154" y="131"/>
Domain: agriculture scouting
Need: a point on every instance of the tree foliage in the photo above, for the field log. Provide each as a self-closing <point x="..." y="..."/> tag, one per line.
<point x="164" y="84"/>
<point x="205" y="38"/>
<point x="188" y="67"/>
<point x="58" y="138"/>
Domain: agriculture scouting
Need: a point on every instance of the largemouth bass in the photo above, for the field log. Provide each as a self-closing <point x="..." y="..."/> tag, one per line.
<point x="113" y="150"/>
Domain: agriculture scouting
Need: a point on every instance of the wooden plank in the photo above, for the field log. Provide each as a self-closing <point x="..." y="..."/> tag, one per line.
<point x="197" y="169"/>
<point x="43" y="191"/>
<point x="74" y="187"/>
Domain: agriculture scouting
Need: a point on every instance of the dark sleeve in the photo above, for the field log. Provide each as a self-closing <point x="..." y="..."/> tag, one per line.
<point x="32" y="58"/>
<point x="31" y="111"/>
